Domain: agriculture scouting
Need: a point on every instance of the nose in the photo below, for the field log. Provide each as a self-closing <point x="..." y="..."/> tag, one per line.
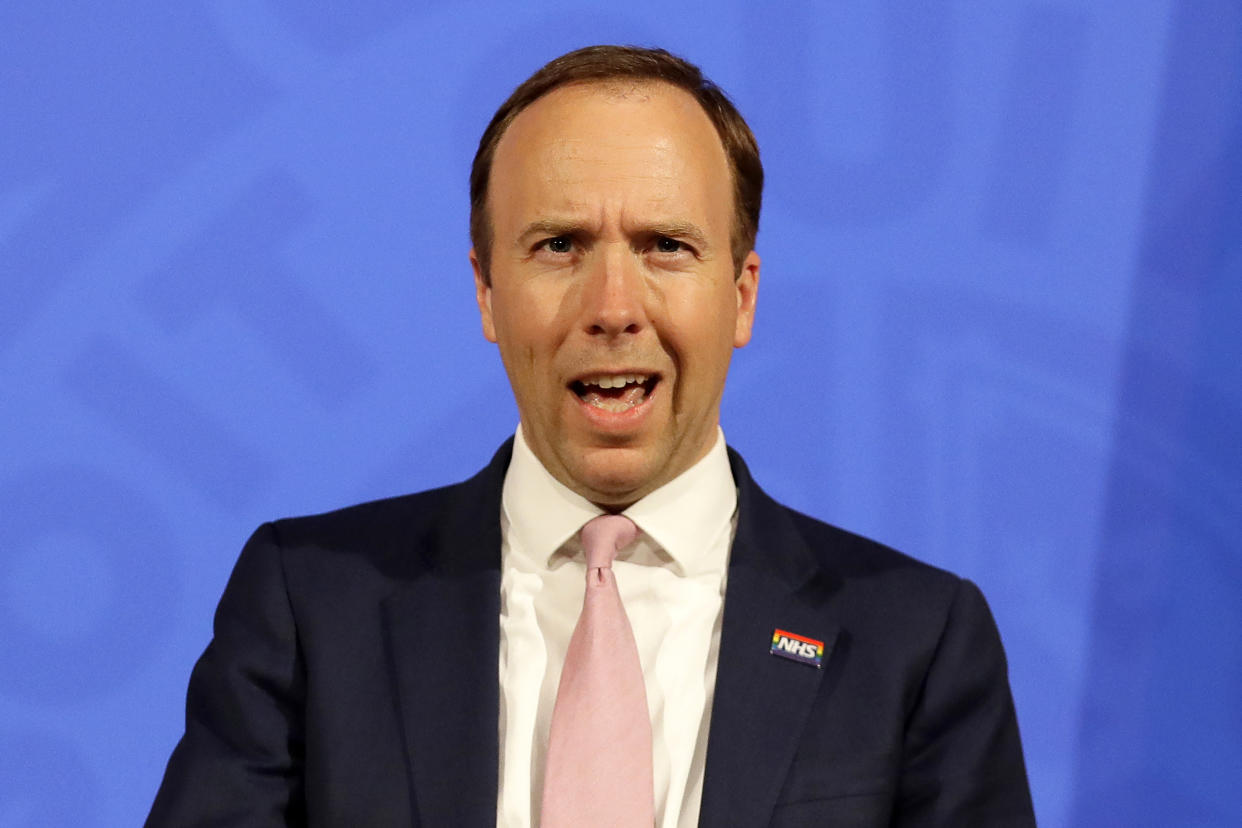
<point x="613" y="300"/>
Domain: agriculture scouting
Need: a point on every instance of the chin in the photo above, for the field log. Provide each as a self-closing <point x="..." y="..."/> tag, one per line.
<point x="614" y="480"/>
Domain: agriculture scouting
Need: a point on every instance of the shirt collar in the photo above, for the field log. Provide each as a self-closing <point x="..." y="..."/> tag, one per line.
<point x="684" y="517"/>
<point x="687" y="515"/>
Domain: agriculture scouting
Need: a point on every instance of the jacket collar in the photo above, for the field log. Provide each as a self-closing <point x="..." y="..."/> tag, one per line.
<point x="762" y="702"/>
<point x="442" y="636"/>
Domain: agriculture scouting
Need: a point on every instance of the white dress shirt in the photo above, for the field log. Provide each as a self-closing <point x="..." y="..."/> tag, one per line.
<point x="672" y="582"/>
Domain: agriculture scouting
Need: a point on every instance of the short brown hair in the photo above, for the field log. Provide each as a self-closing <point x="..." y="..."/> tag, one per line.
<point x="606" y="63"/>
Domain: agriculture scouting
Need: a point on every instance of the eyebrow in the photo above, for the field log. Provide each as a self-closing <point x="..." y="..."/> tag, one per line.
<point x="557" y="227"/>
<point x="549" y="227"/>
<point x="680" y="230"/>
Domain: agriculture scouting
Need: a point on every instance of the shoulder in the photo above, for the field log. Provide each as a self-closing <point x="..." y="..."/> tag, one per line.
<point x="881" y="586"/>
<point x="455" y="527"/>
<point x="375" y="525"/>
<point x="858" y="558"/>
<point x="808" y="543"/>
<point x="868" y="586"/>
<point x="898" y="615"/>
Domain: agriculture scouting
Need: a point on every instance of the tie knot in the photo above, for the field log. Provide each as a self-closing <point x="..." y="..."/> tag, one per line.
<point x="603" y="536"/>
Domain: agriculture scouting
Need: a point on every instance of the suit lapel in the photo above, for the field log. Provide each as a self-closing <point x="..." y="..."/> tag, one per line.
<point x="442" y="635"/>
<point x="443" y="645"/>
<point x="761" y="701"/>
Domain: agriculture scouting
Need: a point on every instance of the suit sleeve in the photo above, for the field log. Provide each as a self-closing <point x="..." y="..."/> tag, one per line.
<point x="962" y="759"/>
<point x="240" y="760"/>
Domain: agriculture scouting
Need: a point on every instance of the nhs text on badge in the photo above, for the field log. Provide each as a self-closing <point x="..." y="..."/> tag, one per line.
<point x="797" y="648"/>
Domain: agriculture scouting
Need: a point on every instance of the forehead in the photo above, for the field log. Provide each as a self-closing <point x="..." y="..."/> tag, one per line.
<point x="619" y="139"/>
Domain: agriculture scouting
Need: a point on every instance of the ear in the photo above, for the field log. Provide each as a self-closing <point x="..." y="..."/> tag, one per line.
<point x="747" y="287"/>
<point x="483" y="295"/>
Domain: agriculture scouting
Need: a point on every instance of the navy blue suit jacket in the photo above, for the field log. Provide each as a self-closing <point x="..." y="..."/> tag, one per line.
<point x="352" y="681"/>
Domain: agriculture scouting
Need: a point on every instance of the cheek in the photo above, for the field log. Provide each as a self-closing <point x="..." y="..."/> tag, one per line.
<point x="525" y="342"/>
<point x="530" y="358"/>
<point x="703" y="324"/>
<point x="520" y="355"/>
<point x="532" y="313"/>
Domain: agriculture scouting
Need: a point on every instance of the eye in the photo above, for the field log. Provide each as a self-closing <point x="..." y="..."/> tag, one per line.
<point x="559" y="244"/>
<point x="666" y="245"/>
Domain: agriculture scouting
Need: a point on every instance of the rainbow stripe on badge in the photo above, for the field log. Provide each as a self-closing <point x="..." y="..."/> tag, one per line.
<point x="798" y="648"/>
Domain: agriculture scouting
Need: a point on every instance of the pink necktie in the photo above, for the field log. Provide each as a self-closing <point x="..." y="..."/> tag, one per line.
<point x="598" y="770"/>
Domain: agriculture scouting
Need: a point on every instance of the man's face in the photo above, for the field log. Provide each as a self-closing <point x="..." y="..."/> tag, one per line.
<point x="613" y="295"/>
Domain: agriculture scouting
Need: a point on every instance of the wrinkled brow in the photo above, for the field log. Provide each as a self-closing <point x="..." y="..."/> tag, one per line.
<point x="551" y="227"/>
<point x="558" y="227"/>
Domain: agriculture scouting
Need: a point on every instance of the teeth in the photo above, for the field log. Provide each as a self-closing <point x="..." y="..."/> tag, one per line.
<point x="615" y="380"/>
<point x="615" y="406"/>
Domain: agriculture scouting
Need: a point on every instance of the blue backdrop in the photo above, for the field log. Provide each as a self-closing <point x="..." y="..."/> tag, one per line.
<point x="998" y="328"/>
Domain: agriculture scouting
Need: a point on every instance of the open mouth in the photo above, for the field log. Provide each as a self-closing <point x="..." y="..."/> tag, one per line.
<point x="615" y="393"/>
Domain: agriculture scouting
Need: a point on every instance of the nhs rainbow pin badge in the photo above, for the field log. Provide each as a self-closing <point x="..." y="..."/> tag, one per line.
<point x="798" y="648"/>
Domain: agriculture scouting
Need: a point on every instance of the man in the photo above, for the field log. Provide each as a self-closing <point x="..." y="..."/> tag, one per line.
<point x="411" y="661"/>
